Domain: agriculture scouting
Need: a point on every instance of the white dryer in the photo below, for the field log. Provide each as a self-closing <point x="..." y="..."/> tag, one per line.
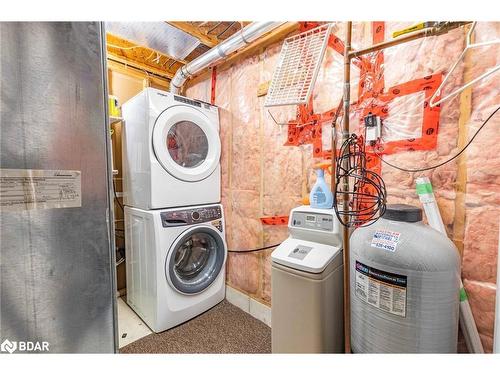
<point x="170" y="150"/>
<point x="175" y="261"/>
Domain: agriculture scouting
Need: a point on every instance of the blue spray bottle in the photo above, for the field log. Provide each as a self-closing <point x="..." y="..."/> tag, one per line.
<point x="321" y="196"/>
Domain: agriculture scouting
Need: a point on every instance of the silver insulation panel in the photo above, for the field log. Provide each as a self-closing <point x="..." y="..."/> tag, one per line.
<point x="57" y="280"/>
<point x="159" y="36"/>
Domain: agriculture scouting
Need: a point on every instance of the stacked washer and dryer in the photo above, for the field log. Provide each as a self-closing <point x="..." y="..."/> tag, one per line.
<point x="174" y="224"/>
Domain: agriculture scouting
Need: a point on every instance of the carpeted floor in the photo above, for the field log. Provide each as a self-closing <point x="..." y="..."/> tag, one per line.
<point x="223" y="329"/>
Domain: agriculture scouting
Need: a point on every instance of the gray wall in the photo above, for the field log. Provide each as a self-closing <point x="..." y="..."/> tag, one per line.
<point x="56" y="265"/>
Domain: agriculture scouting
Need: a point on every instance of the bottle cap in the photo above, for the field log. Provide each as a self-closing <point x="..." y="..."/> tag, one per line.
<point x="403" y="212"/>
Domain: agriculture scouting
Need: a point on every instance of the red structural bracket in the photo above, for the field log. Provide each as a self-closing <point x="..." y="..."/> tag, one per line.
<point x="430" y="123"/>
<point x="372" y="97"/>
<point x="274" y="220"/>
<point x="214" y="81"/>
<point x="307" y="127"/>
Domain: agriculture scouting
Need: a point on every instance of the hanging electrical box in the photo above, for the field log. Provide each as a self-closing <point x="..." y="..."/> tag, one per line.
<point x="373" y="125"/>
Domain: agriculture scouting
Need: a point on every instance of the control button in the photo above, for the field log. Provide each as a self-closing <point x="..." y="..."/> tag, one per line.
<point x="195" y="215"/>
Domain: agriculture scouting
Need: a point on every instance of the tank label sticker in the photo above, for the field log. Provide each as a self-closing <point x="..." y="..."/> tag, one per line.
<point x="386" y="240"/>
<point x="384" y="290"/>
<point x="33" y="189"/>
<point x="300" y="252"/>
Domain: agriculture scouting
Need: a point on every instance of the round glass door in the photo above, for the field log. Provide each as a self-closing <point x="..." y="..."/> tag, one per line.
<point x="195" y="260"/>
<point x="186" y="143"/>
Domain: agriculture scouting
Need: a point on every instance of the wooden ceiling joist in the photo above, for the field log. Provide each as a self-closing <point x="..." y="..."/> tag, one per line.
<point x="138" y="65"/>
<point x="137" y="73"/>
<point x="122" y="53"/>
<point x="208" y="40"/>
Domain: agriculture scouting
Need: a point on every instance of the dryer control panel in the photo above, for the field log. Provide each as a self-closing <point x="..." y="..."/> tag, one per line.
<point x="196" y="103"/>
<point x="190" y="216"/>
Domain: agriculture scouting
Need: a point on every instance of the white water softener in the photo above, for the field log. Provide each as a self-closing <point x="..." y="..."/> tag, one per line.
<point x="405" y="282"/>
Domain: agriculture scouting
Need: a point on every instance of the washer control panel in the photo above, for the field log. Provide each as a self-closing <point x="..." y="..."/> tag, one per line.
<point x="310" y="220"/>
<point x="190" y="216"/>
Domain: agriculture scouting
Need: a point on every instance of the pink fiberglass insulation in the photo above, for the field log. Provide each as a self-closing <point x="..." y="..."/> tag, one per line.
<point x="261" y="177"/>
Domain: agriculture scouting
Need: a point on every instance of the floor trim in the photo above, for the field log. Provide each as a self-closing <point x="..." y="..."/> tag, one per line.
<point x="251" y="306"/>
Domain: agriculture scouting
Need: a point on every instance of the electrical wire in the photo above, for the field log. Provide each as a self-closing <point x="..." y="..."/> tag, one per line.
<point x="120" y="261"/>
<point x="444" y="162"/>
<point x="226" y="29"/>
<point x="253" y="250"/>
<point x="213" y="28"/>
<point x="367" y="194"/>
<point x="116" y="197"/>
<point x="151" y="55"/>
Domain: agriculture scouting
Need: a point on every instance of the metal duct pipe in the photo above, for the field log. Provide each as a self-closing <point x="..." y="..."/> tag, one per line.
<point x="238" y="40"/>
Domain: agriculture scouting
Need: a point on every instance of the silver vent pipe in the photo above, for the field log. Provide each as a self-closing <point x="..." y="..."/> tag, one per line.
<point x="238" y="40"/>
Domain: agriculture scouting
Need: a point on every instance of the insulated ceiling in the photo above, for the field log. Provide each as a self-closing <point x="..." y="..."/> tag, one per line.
<point x="159" y="36"/>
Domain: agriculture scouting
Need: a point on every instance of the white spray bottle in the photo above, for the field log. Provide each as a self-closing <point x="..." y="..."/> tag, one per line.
<point x="321" y="196"/>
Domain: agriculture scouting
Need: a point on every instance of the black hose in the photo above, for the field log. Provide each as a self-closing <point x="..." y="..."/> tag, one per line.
<point x="253" y="250"/>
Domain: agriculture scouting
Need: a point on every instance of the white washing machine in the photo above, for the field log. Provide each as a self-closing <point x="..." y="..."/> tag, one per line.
<point x="170" y="150"/>
<point x="175" y="261"/>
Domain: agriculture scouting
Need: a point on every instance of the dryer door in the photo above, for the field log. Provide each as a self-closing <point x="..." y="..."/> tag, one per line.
<point x="186" y="144"/>
<point x="195" y="259"/>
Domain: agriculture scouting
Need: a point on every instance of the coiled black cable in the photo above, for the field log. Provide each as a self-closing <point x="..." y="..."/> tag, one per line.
<point x="366" y="195"/>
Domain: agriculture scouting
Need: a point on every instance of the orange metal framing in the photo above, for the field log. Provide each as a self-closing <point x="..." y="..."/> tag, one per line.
<point x="307" y="127"/>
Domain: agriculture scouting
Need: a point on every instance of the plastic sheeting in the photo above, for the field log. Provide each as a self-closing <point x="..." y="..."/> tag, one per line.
<point x="261" y="177"/>
<point x="159" y="36"/>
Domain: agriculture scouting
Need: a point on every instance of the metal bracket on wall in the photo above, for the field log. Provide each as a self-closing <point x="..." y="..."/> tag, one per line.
<point x="212" y="85"/>
<point x="298" y="67"/>
<point x="274" y="220"/>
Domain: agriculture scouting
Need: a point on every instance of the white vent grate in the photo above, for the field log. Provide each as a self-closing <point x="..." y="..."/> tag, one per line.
<point x="298" y="67"/>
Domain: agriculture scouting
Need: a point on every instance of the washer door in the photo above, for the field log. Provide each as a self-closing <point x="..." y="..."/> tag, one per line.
<point x="186" y="144"/>
<point x="195" y="260"/>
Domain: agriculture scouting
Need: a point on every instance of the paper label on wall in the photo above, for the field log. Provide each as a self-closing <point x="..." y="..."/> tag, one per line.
<point x="386" y="240"/>
<point x="384" y="290"/>
<point x="32" y="189"/>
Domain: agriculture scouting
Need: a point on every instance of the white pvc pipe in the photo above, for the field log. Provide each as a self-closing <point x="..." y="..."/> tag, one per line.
<point x="238" y="40"/>
<point x="467" y="323"/>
